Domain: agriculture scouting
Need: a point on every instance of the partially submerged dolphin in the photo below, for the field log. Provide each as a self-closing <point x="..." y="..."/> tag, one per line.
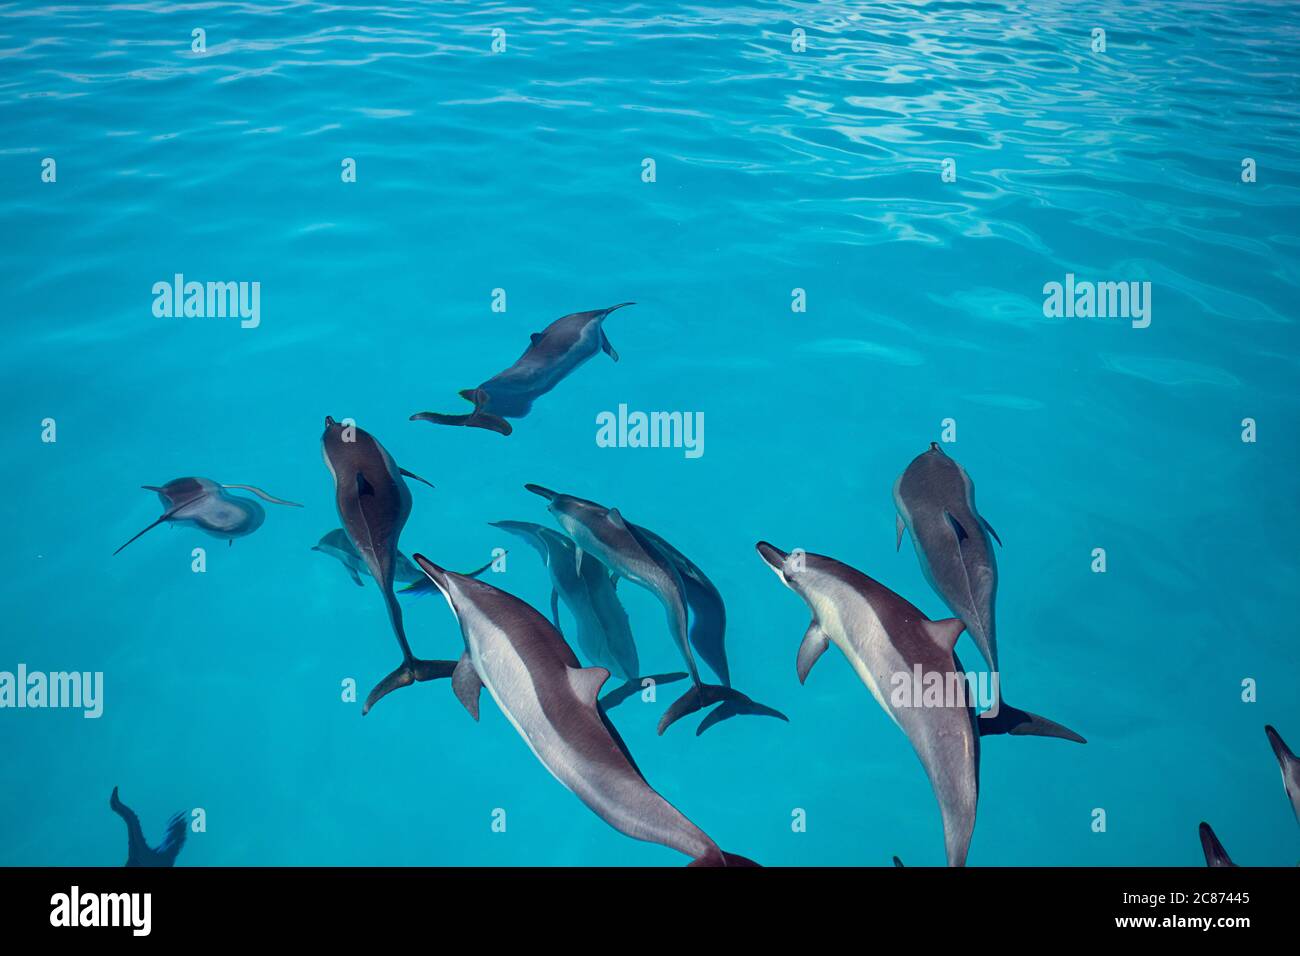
<point x="140" y="853"/>
<point x="551" y="700"/>
<point x="889" y="642"/>
<point x="373" y="503"/>
<point x="1215" y="854"/>
<point x="935" y="499"/>
<point x="646" y="559"/>
<point x="1290" y="767"/>
<point x="551" y="355"/>
<point x="203" y="503"/>
<point x="338" y="545"/>
<point x="602" y="630"/>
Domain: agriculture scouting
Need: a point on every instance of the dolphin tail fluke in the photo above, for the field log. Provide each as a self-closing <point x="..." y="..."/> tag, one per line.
<point x="411" y="672"/>
<point x="716" y="857"/>
<point x="1021" y="723"/>
<point x="622" y="693"/>
<point x="475" y="419"/>
<point x="705" y="695"/>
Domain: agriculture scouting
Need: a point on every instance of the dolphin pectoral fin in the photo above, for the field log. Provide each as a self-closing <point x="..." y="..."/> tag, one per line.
<point x="414" y="477"/>
<point x="1021" y="723"/>
<point x="812" y="647"/>
<point x="264" y="496"/>
<point x="356" y="578"/>
<point x="1215" y="854"/>
<point x="945" y="632"/>
<point x="607" y="347"/>
<point x="363" y="487"/>
<point x="957" y="527"/>
<point x="899" y="528"/>
<point x="555" y="608"/>
<point x="586" y="682"/>
<point x="989" y="528"/>
<point x="466" y="684"/>
<point x="408" y="673"/>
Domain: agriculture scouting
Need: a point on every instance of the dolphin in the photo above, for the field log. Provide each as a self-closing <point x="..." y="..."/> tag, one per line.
<point x="373" y="503"/>
<point x="337" y="545"/>
<point x="140" y="853"/>
<point x="203" y="503"/>
<point x="552" y="354"/>
<point x="1290" y="766"/>
<point x="602" y="630"/>
<point x="551" y="700"/>
<point x="898" y="862"/>
<point x="888" y="641"/>
<point x="633" y="553"/>
<point x="935" y="499"/>
<point x="1215" y="854"/>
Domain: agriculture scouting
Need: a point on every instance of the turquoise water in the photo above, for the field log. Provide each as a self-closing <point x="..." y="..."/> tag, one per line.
<point x="774" y="171"/>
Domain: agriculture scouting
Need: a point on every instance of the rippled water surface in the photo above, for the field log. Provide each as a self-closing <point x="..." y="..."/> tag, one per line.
<point x="775" y="170"/>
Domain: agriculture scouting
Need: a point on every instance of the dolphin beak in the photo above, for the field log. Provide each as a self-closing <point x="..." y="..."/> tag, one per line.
<point x="1280" y="749"/>
<point x="774" y="557"/>
<point x="329" y="420"/>
<point x="544" y="492"/>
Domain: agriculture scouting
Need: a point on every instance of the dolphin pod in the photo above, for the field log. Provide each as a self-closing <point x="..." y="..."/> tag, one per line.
<point x="203" y="503"/>
<point x="886" y="638"/>
<point x="138" y="851"/>
<point x="647" y="560"/>
<point x="551" y="700"/>
<point x="552" y="354"/>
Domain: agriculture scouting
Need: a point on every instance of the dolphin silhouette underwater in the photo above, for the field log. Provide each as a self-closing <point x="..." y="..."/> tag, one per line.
<point x="552" y="354"/>
<point x="1215" y="854"/>
<point x="338" y="545"/>
<point x="601" y="627"/>
<point x="1289" y="764"/>
<point x="696" y="617"/>
<point x="139" y="853"/>
<point x="373" y="503"/>
<point x="935" y="499"/>
<point x="203" y="503"/>
<point x="885" y="638"/>
<point x="551" y="700"/>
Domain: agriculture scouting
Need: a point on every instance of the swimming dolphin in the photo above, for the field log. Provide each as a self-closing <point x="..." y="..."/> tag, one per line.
<point x="633" y="553"/>
<point x="337" y="545"/>
<point x="935" y="499"/>
<point x="550" y="699"/>
<point x="373" y="503"/>
<point x="602" y="630"/>
<point x="1215" y="854"/>
<point x="1290" y="766"/>
<point x="139" y="853"/>
<point x="551" y="355"/>
<point x="203" y="503"/>
<point x="886" y="640"/>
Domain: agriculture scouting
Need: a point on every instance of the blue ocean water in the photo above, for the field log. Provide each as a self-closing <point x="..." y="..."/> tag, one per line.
<point x="775" y="169"/>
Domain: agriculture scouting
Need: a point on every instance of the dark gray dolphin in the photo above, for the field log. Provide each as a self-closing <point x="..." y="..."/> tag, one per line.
<point x="338" y="545"/>
<point x="886" y="640"/>
<point x="552" y="354"/>
<point x="1290" y="767"/>
<point x="551" y="700"/>
<point x="1215" y="854"/>
<point x="140" y="853"/>
<point x="640" y="556"/>
<point x="203" y="503"/>
<point x="602" y="630"/>
<point x="373" y="503"/>
<point x="935" y="499"/>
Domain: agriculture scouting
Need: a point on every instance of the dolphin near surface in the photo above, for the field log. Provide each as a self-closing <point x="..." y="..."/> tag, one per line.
<point x="693" y="606"/>
<point x="551" y="700"/>
<point x="1215" y="854"/>
<point x="935" y="499"/>
<point x="552" y="355"/>
<point x="1290" y="767"/>
<point x="139" y="852"/>
<point x="373" y="503"/>
<point x="888" y="641"/>
<point x="204" y="504"/>
<point x="338" y="545"/>
<point x="601" y="628"/>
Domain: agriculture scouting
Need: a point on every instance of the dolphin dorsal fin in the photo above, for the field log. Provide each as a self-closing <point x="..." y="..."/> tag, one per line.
<point x="616" y="518"/>
<point x="945" y="632"/>
<point x="587" y="681"/>
<point x="534" y="337"/>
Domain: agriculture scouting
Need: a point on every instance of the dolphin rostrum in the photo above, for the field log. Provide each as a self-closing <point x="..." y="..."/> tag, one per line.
<point x="551" y="700"/>
<point x="1215" y="854"/>
<point x="1290" y="766"/>
<point x="203" y="503"/>
<point x="373" y="503"/>
<point x="647" y="560"/>
<point x="601" y="627"/>
<point x="552" y="354"/>
<point x="890" y="645"/>
<point x="337" y="545"/>
<point x="935" y="499"/>
<point x="140" y="853"/>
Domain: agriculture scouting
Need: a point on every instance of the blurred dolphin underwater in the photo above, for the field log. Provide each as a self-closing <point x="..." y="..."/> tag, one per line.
<point x="887" y="250"/>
